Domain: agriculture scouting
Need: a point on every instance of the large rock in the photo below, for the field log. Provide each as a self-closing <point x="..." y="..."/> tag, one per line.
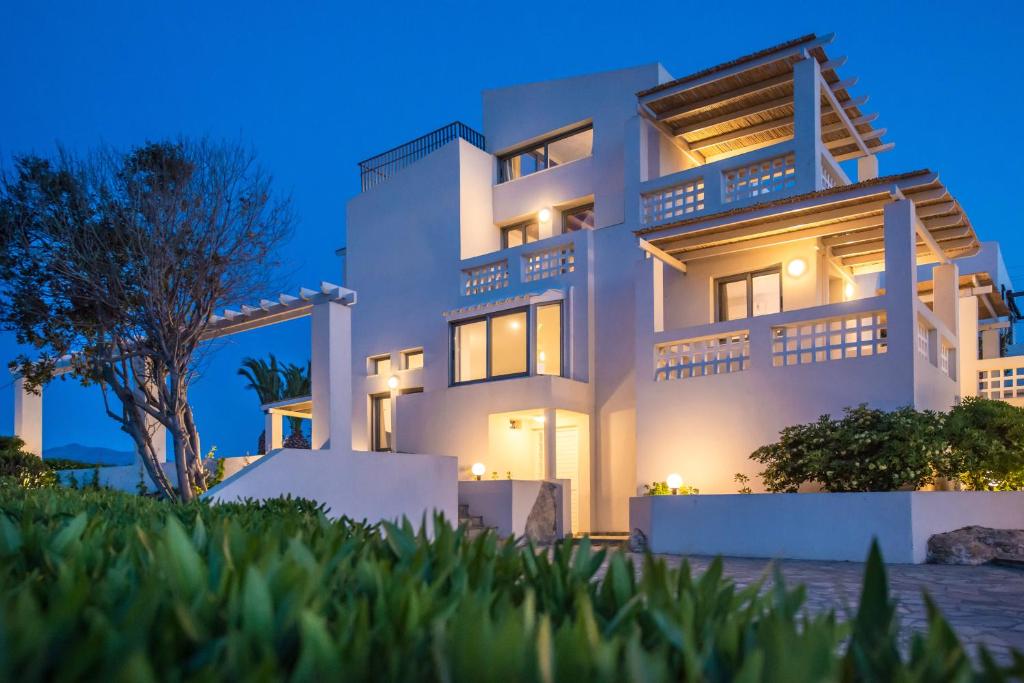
<point x="542" y="523"/>
<point x="976" y="545"/>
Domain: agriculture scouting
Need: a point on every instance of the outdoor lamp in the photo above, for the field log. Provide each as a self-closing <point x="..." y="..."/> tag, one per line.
<point x="478" y="470"/>
<point x="393" y="382"/>
<point x="675" y="482"/>
<point x="544" y="215"/>
<point x="796" y="267"/>
<point x="848" y="290"/>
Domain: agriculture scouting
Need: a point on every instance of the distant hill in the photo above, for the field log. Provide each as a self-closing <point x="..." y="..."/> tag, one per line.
<point x="96" y="455"/>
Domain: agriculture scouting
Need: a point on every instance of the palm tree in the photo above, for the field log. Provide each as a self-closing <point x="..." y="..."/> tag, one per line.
<point x="296" y="383"/>
<point x="265" y="379"/>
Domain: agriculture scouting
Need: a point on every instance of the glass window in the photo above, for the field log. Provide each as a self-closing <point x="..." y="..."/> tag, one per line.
<point x="750" y="294"/>
<point x="508" y="344"/>
<point x="554" y="151"/>
<point x="380" y="411"/>
<point x="470" y="350"/>
<point x="549" y="339"/>
<point x="579" y="218"/>
<point x="380" y="365"/>
<point x="519" y="234"/>
<point x="412" y="360"/>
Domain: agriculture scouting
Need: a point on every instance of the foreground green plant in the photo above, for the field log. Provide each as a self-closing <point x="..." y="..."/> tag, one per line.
<point x="108" y="586"/>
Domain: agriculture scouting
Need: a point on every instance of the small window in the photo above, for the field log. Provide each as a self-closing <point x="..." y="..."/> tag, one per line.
<point x="379" y="365"/>
<point x="750" y="294"/>
<point x="554" y="151"/>
<point x="380" y="422"/>
<point x="411" y="360"/>
<point x="578" y="218"/>
<point x="519" y="234"/>
<point x="469" y="342"/>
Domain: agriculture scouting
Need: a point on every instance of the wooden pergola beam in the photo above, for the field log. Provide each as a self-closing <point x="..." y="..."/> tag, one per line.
<point x="870" y="135"/>
<point x="662" y="256"/>
<point x="693" y="155"/>
<point x="874" y="150"/>
<point x="740" y="133"/>
<point x="859" y="121"/>
<point x="843" y="118"/>
<point x="922" y="250"/>
<point x="812" y="232"/>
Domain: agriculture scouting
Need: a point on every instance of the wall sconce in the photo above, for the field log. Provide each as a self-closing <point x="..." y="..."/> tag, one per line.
<point x="544" y="215"/>
<point x="675" y="482"/>
<point x="393" y="382"/>
<point x="796" y="267"/>
<point x="478" y="470"/>
<point x="848" y="291"/>
<point x="514" y="423"/>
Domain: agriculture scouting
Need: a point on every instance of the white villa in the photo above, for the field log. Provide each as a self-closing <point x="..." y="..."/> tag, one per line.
<point x="626" y="275"/>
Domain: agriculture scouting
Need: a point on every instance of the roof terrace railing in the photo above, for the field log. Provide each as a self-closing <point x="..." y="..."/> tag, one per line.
<point x="379" y="168"/>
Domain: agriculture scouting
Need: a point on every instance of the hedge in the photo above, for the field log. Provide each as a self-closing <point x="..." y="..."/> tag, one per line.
<point x="99" y="585"/>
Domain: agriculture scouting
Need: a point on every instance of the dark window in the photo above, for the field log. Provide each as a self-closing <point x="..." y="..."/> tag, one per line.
<point x="519" y="234"/>
<point x="750" y="294"/>
<point x="578" y="218"/>
<point x="554" y="151"/>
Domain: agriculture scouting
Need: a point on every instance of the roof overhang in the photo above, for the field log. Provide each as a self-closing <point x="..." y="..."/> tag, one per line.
<point x="299" y="406"/>
<point x="268" y="312"/>
<point x="980" y="285"/>
<point x="847" y="219"/>
<point x="748" y="103"/>
<point x="505" y="304"/>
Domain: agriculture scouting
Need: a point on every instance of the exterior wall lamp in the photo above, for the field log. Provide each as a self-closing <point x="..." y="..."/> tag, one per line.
<point x="848" y="291"/>
<point x="544" y="215"/>
<point x="796" y="267"/>
<point x="393" y="382"/>
<point x="674" y="482"/>
<point x="478" y="470"/>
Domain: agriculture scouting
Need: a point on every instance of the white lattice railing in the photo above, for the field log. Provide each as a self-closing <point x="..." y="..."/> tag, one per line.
<point x="1002" y="383"/>
<point x="819" y="341"/>
<point x="944" y="354"/>
<point x="485" y="278"/>
<point x="923" y="334"/>
<point x="675" y="201"/>
<point x="716" y="355"/>
<point x="764" y="177"/>
<point x="829" y="177"/>
<point x="539" y="265"/>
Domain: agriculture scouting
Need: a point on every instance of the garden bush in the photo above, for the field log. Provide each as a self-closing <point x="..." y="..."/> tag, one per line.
<point x="865" y="450"/>
<point x="21" y="467"/>
<point x="107" y="586"/>
<point x="986" y="441"/>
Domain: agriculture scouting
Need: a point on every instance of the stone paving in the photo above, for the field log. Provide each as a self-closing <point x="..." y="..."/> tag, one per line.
<point x="985" y="604"/>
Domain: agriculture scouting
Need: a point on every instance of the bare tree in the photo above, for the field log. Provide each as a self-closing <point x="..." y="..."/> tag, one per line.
<point x="114" y="263"/>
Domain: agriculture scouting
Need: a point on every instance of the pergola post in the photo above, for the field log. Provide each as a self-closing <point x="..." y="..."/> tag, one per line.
<point x="967" y="339"/>
<point x="331" y="375"/>
<point x="550" y="442"/>
<point x="273" y="431"/>
<point x="867" y="168"/>
<point x="807" y="123"/>
<point x="901" y="287"/>
<point x="946" y="304"/>
<point x="28" y="417"/>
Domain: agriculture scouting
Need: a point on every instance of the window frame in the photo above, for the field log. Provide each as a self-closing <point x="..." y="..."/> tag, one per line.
<point x="521" y="228"/>
<point x="571" y="210"/>
<point x="372" y="369"/>
<point x="748" y="278"/>
<point x="375" y="417"/>
<point x="531" y="344"/>
<point x="413" y="352"/>
<point x="543" y="142"/>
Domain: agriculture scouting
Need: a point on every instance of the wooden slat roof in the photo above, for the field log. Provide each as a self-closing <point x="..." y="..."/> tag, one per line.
<point x="748" y="102"/>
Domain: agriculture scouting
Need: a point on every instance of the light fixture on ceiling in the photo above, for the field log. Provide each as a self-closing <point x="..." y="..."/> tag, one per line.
<point x="796" y="267"/>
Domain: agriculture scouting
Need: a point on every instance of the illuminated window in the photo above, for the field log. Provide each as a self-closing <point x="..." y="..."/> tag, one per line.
<point x="750" y="294"/>
<point x="579" y="218"/>
<point x="519" y="234"/>
<point x="470" y="351"/>
<point x="554" y="151"/>
<point x="412" y="360"/>
<point x="380" y="418"/>
<point x="379" y="365"/>
<point x="549" y="339"/>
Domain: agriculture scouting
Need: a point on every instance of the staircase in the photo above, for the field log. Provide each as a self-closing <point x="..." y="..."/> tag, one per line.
<point x="474" y="524"/>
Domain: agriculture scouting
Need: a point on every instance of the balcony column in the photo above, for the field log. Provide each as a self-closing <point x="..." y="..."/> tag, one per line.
<point x="967" y="338"/>
<point x="28" y="417"/>
<point x="946" y="282"/>
<point x="550" y="443"/>
<point x="636" y="160"/>
<point x="331" y="376"/>
<point x="649" y="297"/>
<point x="901" y="292"/>
<point x="807" y="124"/>
<point x="990" y="343"/>
<point x="273" y="431"/>
<point x="867" y="168"/>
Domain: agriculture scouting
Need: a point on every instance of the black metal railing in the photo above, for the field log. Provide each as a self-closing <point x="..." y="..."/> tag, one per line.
<point x="379" y="168"/>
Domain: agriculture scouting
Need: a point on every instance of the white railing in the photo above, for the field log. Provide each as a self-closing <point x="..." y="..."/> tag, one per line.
<point x="674" y="201"/>
<point x="923" y="345"/>
<point x="552" y="262"/>
<point x="769" y="176"/>
<point x="944" y="353"/>
<point x="828" y="339"/>
<point x="485" y="278"/>
<point x="1001" y="378"/>
<point x="701" y="357"/>
<point x="829" y="177"/>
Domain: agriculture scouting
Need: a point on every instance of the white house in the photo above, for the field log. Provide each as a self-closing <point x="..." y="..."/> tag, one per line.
<point x="626" y="274"/>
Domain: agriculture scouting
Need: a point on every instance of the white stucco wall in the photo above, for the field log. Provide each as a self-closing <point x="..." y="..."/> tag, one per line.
<point x="126" y="477"/>
<point x="817" y="526"/>
<point x="370" y="486"/>
<point x="506" y="504"/>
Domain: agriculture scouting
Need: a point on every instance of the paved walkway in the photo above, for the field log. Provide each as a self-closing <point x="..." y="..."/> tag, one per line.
<point x="985" y="605"/>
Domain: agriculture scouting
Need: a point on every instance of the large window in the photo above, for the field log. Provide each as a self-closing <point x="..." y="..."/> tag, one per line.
<point x="519" y="234"/>
<point x="578" y="218"/>
<point x="750" y="294"/>
<point x="555" y="151"/>
<point x="498" y="345"/>
<point x="380" y="422"/>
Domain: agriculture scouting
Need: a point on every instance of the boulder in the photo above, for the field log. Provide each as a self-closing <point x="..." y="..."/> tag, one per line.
<point x="637" y="541"/>
<point x="542" y="523"/>
<point x="973" y="545"/>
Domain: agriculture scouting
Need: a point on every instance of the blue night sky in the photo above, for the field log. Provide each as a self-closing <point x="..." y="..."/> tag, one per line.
<point x="316" y="89"/>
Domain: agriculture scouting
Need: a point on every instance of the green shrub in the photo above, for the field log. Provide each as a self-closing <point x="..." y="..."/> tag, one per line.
<point x="22" y="468"/>
<point x="986" y="440"/>
<point x="58" y="464"/>
<point x="661" y="488"/>
<point x="109" y="586"/>
<point x="865" y="450"/>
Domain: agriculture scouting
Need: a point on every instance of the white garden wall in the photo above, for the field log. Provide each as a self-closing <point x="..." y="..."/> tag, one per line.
<point x="505" y="504"/>
<point x="817" y="526"/>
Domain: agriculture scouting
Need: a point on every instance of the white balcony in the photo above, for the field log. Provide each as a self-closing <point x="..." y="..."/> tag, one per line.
<point x="556" y="261"/>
